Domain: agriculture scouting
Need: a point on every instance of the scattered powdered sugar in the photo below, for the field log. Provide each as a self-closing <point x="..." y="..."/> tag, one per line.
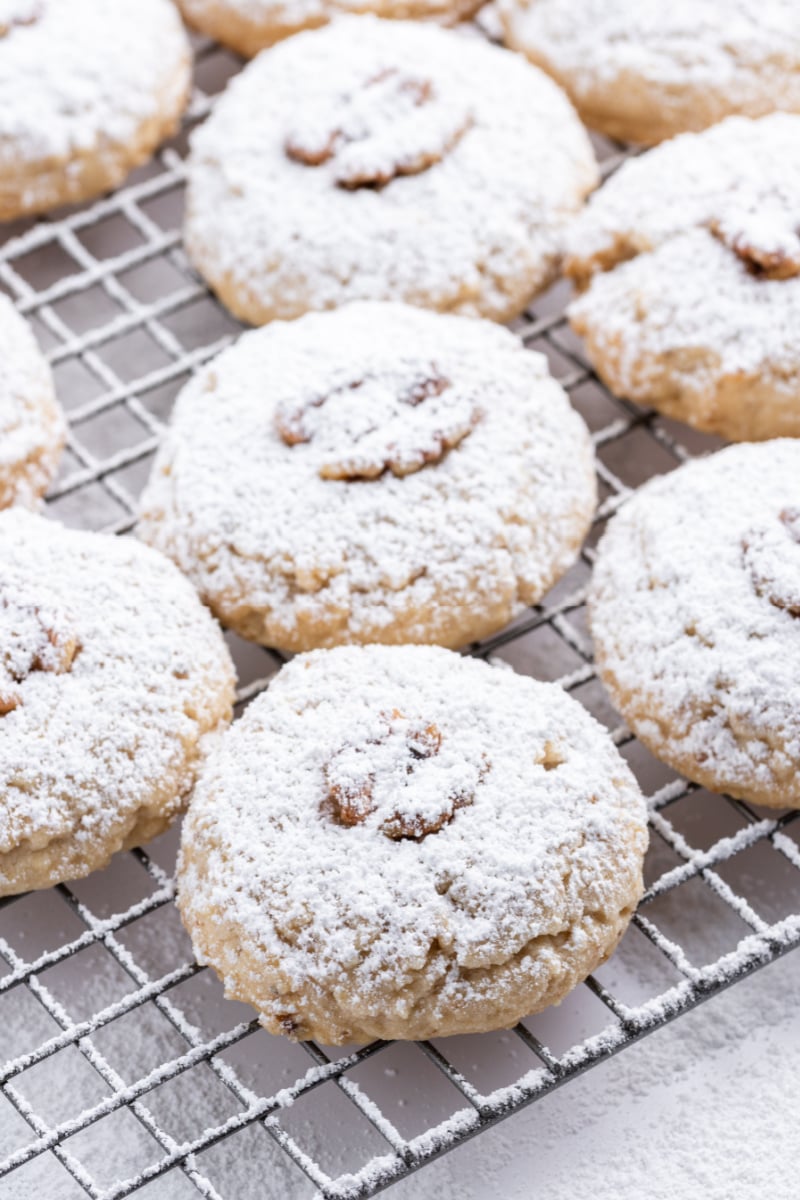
<point x="278" y="216"/>
<point x="728" y="1066"/>
<point x="31" y="424"/>
<point x="78" y="74"/>
<point x="306" y="478"/>
<point x="521" y="823"/>
<point x="664" y="1119"/>
<point x="746" y="48"/>
<point x="693" y="613"/>
<point x="116" y="673"/>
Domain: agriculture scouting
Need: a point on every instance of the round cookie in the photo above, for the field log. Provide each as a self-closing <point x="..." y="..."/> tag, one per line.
<point x="88" y="89"/>
<point x="690" y="257"/>
<point x="695" y="612"/>
<point x="32" y="427"/>
<point x="113" y="682"/>
<point x="248" y="26"/>
<point x="397" y="842"/>
<point x="363" y="162"/>
<point x="374" y="474"/>
<point x="647" y="70"/>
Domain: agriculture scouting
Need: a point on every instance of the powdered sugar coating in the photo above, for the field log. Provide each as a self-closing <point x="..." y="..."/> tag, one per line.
<point x="251" y="25"/>
<point x="701" y="323"/>
<point x="477" y="231"/>
<point x="32" y="426"/>
<point x="692" y="614"/>
<point x="648" y="70"/>
<point x="688" y="183"/>
<point x="306" y="488"/>
<point x="345" y="933"/>
<point x="119" y="676"/>
<point x="87" y="89"/>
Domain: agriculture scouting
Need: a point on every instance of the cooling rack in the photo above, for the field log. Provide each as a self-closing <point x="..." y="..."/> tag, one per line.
<point x="126" y="1070"/>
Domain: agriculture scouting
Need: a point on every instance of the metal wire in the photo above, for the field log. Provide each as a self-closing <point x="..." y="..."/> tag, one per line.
<point x="125" y="321"/>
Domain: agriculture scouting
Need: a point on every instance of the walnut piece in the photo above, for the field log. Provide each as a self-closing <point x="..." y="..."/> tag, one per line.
<point x="768" y="243"/>
<point x="393" y="123"/>
<point x="398" y="749"/>
<point x="19" y="13"/>
<point x="773" y="558"/>
<point x="381" y="423"/>
<point x="34" y="636"/>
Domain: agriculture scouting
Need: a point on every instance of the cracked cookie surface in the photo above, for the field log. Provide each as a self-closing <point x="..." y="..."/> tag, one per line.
<point x="113" y="682"/>
<point x="689" y="258"/>
<point x="490" y="860"/>
<point x="695" y="613"/>
<point x="398" y="178"/>
<point x="375" y="474"/>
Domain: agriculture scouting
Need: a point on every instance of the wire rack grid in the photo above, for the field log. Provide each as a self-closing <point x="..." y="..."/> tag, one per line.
<point x="127" y="1071"/>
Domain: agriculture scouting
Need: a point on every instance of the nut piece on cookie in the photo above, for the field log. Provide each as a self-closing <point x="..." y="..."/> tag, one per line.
<point x="398" y="842"/>
<point x="368" y="422"/>
<point x="689" y="258"/>
<point x="395" y="476"/>
<point x="248" y="27"/>
<point x="393" y="123"/>
<point x="383" y="771"/>
<point x="695" y="607"/>
<point x="361" y="162"/>
<point x="768" y="243"/>
<point x="114" y="681"/>
<point x="32" y="425"/>
<point x="88" y="90"/>
<point x="15" y="13"/>
<point x="645" y="70"/>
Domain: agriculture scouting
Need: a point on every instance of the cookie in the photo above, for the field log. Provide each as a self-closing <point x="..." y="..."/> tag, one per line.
<point x="690" y="257"/>
<point x="88" y="89"/>
<point x="113" y="682"/>
<point x="646" y="70"/>
<point x="374" y="474"/>
<point x="695" y="612"/>
<point x="397" y="842"/>
<point x="248" y="26"/>
<point x="32" y="427"/>
<point x="363" y="162"/>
